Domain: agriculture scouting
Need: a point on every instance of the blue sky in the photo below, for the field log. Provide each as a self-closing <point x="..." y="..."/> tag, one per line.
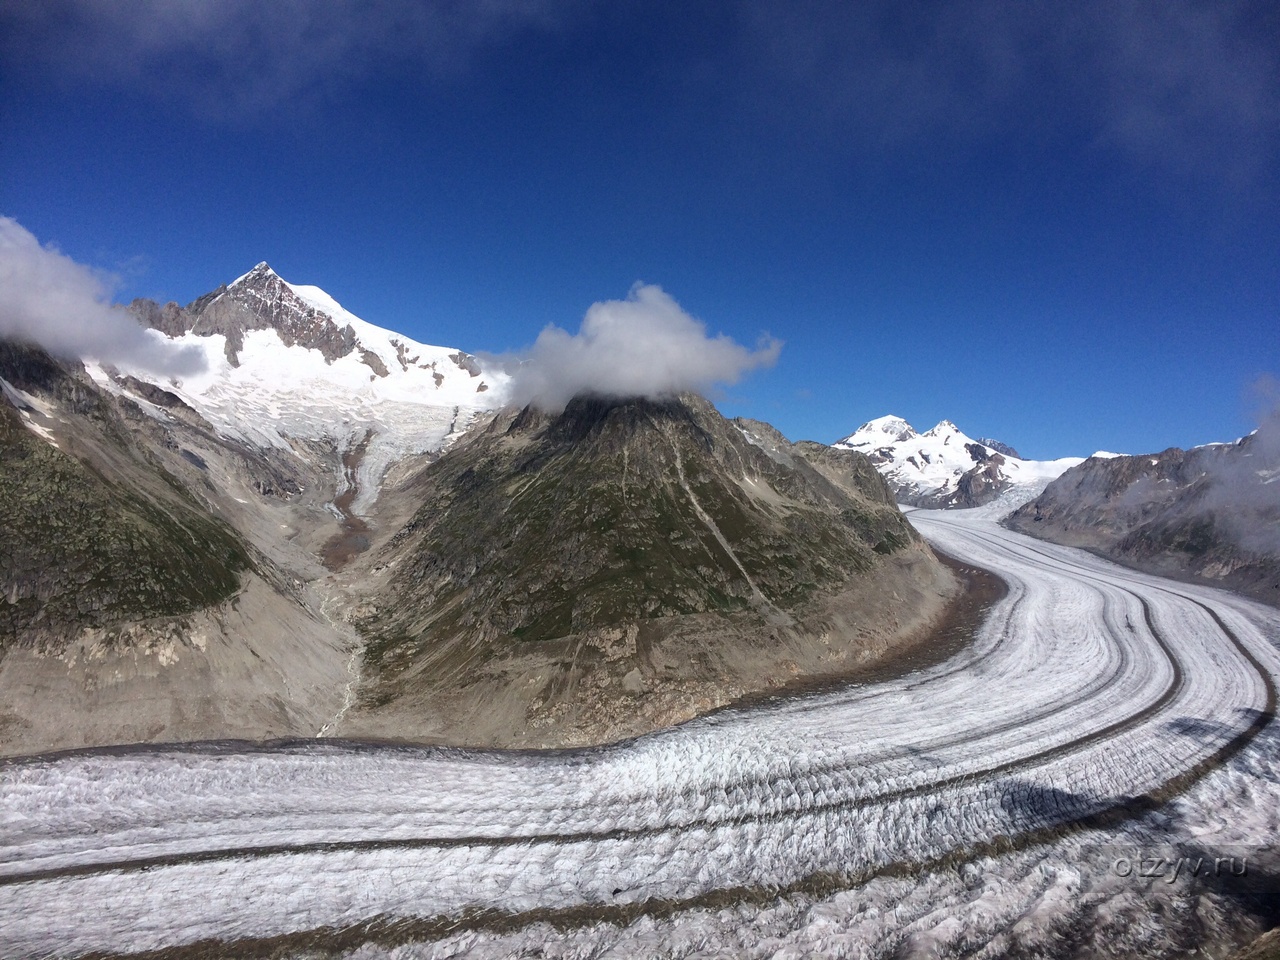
<point x="1057" y="225"/>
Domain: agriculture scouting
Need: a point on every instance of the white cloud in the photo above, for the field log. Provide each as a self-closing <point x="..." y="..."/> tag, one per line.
<point x="643" y="346"/>
<point x="64" y="306"/>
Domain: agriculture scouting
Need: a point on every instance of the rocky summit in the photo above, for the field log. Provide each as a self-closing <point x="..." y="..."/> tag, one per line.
<point x="259" y="300"/>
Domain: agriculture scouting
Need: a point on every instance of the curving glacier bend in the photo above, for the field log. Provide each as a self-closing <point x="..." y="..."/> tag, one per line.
<point x="1088" y="688"/>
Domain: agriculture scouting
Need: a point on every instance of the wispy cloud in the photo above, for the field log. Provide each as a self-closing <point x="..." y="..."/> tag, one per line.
<point x="246" y="57"/>
<point x="1244" y="490"/>
<point x="1181" y="85"/>
<point x="1184" y="85"/>
<point x="643" y="346"/>
<point x="49" y="299"/>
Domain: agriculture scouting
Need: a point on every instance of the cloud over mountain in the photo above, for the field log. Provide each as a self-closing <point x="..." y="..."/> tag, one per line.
<point x="643" y="346"/>
<point x="48" y="298"/>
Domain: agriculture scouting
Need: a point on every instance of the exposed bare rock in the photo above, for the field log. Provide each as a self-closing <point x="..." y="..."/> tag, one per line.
<point x="1211" y="513"/>
<point x="466" y="362"/>
<point x="999" y="447"/>
<point x="374" y="363"/>
<point x="170" y="319"/>
<point x="260" y="300"/>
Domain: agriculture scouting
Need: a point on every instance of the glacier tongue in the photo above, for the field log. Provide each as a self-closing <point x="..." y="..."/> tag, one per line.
<point x="1088" y="693"/>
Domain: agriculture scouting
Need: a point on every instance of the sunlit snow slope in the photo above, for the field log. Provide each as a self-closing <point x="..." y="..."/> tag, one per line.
<point x="1088" y="689"/>
<point x="406" y="397"/>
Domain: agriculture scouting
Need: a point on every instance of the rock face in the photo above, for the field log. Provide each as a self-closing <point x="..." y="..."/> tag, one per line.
<point x="1211" y="513"/>
<point x="604" y="548"/>
<point x="259" y="300"/>
<point x="998" y="447"/>
<point x="97" y="539"/>
<point x="944" y="468"/>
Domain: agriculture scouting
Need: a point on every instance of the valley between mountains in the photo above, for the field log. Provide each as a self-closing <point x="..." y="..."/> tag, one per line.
<point x="1004" y="800"/>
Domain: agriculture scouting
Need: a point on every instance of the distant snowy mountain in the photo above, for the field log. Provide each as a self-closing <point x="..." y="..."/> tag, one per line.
<point x="943" y="467"/>
<point x="287" y="362"/>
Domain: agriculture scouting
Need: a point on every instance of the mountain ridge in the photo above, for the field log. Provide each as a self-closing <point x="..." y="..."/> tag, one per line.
<point x="148" y="585"/>
<point x="1209" y="514"/>
<point x="643" y="553"/>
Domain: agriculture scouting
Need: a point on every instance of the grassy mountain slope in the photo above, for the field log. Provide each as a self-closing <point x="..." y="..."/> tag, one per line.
<point x="610" y="513"/>
<point x="151" y="587"/>
<point x="97" y="535"/>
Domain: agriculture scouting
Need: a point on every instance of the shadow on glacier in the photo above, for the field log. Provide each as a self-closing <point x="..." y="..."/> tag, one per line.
<point x="1228" y="739"/>
<point x="1248" y="875"/>
<point x="1161" y="838"/>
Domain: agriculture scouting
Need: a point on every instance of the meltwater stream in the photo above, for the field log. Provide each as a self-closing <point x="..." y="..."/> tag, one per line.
<point x="1074" y="704"/>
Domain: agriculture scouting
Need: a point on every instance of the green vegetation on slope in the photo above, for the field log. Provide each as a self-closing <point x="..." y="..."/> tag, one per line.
<point x="78" y="549"/>
<point x="599" y="517"/>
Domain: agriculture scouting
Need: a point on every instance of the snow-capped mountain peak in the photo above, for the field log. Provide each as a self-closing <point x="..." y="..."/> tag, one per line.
<point x="261" y="271"/>
<point x="882" y="428"/>
<point x="288" y="362"/>
<point x="944" y="467"/>
<point x="945" y="428"/>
